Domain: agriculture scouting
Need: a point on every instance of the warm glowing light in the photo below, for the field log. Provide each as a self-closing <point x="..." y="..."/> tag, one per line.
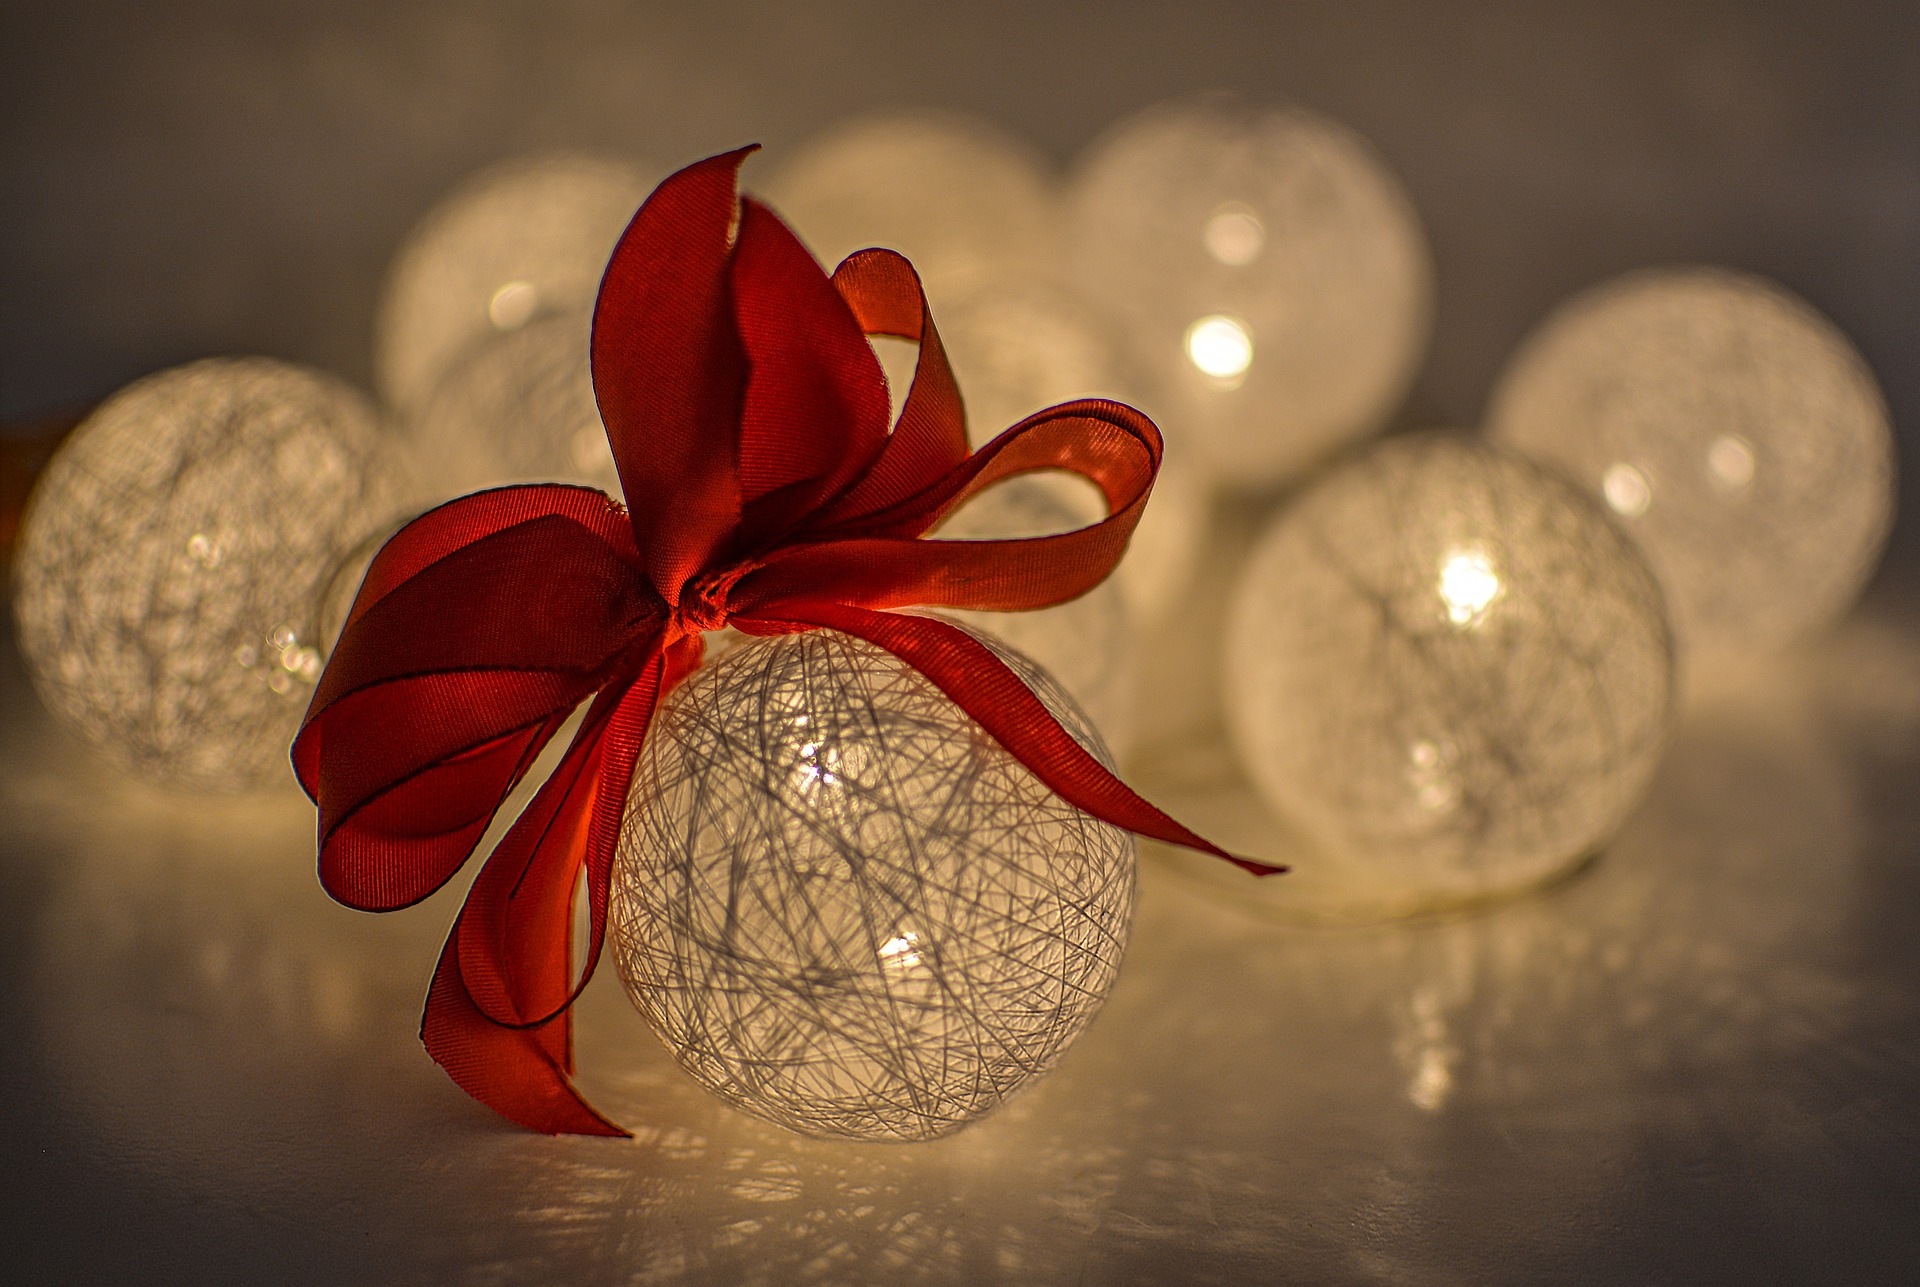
<point x="888" y="959"/>
<point x="513" y="305"/>
<point x="1450" y="669"/>
<point x="1282" y="220"/>
<point x="1739" y="430"/>
<point x="1730" y="463"/>
<point x="1468" y="585"/>
<point x="1220" y="346"/>
<point x="817" y="764"/>
<point x="1234" y="234"/>
<point x="1626" y="490"/>
<point x="901" y="951"/>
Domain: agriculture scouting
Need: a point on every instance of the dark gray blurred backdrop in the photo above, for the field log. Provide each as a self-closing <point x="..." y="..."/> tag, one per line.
<point x="185" y="178"/>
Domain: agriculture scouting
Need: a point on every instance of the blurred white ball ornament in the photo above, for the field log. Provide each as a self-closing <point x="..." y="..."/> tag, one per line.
<point x="174" y="560"/>
<point x="1019" y="349"/>
<point x="1269" y="273"/>
<point x="1737" y="433"/>
<point x="518" y="408"/>
<point x="1087" y="644"/>
<point x="966" y="203"/>
<point x="1451" y="669"/>
<point x="847" y="909"/>
<point x="515" y="242"/>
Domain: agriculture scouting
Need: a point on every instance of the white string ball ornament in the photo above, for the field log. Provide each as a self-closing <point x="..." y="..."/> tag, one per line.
<point x="1449" y="668"/>
<point x="845" y="908"/>
<point x="1739" y="436"/>
<point x="968" y="204"/>
<point x="515" y="242"/>
<point x="517" y="408"/>
<point x="174" y="557"/>
<point x="1268" y="271"/>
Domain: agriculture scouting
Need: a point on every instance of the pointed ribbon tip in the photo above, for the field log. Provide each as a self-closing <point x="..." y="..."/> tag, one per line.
<point x="748" y="421"/>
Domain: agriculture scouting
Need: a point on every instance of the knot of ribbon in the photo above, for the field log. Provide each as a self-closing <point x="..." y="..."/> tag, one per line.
<point x="703" y="603"/>
<point x="765" y="491"/>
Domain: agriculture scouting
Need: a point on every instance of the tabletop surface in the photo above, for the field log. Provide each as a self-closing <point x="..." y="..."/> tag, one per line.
<point x="1694" y="1060"/>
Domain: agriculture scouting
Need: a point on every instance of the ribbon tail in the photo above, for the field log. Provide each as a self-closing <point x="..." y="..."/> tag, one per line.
<point x="499" y="1013"/>
<point x="513" y="1071"/>
<point x="978" y="682"/>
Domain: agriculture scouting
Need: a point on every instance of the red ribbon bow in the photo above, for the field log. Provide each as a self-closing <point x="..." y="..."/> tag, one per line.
<point x="749" y="421"/>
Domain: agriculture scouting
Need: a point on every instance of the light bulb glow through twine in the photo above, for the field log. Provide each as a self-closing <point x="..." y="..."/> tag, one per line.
<point x="1451" y="670"/>
<point x="847" y="909"/>
<point x="1735" y="430"/>
<point x="1267" y="272"/>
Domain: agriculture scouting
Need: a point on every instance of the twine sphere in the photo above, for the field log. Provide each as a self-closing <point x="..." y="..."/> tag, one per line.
<point x="1268" y="271"/>
<point x="1736" y="432"/>
<point x="517" y="408"/>
<point x="845" y="908"/>
<point x="514" y="243"/>
<point x="173" y="559"/>
<point x="966" y="203"/>
<point x="1450" y="668"/>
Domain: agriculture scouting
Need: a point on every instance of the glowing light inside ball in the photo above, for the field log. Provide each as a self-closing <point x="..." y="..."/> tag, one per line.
<point x="1267" y="272"/>
<point x="1469" y="585"/>
<point x="1730" y="463"/>
<point x="518" y="241"/>
<point x="1221" y="347"/>
<point x="174" y="556"/>
<point x="967" y="204"/>
<point x="1734" y="427"/>
<point x="845" y="908"/>
<point x="1451" y="669"/>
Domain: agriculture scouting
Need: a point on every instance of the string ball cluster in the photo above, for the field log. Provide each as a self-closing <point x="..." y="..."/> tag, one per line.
<point x="844" y="907"/>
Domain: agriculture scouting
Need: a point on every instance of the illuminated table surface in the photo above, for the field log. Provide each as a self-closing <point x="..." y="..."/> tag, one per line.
<point x="1695" y="1060"/>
